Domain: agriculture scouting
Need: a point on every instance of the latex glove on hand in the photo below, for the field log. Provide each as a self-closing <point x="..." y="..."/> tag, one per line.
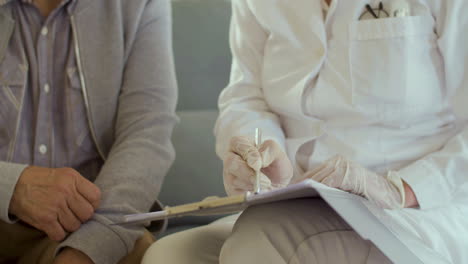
<point x="244" y="160"/>
<point x="338" y="172"/>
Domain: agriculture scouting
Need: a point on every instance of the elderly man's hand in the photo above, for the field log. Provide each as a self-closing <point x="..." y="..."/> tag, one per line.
<point x="244" y="159"/>
<point x="55" y="201"/>
<point x="338" y="172"/>
<point x="72" y="256"/>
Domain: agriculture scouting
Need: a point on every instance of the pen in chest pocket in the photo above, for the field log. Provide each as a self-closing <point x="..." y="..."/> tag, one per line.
<point x="395" y="8"/>
<point x="400" y="8"/>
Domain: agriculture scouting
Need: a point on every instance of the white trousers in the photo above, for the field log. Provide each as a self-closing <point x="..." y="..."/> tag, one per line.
<point x="287" y="232"/>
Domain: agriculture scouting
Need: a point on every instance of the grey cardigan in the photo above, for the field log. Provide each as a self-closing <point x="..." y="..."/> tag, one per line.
<point x="124" y="56"/>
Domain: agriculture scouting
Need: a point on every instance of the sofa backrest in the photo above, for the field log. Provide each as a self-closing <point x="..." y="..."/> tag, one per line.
<point x="202" y="56"/>
<point x="201" y="50"/>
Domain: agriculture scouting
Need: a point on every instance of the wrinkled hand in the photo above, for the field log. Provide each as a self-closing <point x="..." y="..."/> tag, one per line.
<point x="72" y="256"/>
<point x="244" y="160"/>
<point x="55" y="201"/>
<point x="338" y="172"/>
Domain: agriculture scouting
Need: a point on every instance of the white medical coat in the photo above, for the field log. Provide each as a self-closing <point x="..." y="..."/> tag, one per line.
<point x="390" y="94"/>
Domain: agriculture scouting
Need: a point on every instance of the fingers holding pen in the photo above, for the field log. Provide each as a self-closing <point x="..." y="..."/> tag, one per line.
<point x="237" y="174"/>
<point x="245" y="159"/>
<point x="246" y="149"/>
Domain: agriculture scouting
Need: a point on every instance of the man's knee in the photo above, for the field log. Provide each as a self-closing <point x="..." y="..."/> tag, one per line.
<point x="18" y="239"/>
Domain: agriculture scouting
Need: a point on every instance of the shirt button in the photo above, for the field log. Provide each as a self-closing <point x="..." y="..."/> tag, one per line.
<point x="43" y="149"/>
<point x="44" y="31"/>
<point x="46" y="88"/>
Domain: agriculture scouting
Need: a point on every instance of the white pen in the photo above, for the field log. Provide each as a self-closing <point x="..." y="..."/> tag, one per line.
<point x="400" y="8"/>
<point x="258" y="142"/>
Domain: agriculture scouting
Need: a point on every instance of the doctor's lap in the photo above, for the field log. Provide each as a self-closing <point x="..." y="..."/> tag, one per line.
<point x="296" y="231"/>
<point x="293" y="232"/>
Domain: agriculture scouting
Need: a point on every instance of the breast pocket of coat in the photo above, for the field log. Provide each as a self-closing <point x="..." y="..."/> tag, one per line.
<point x="395" y="67"/>
<point x="12" y="86"/>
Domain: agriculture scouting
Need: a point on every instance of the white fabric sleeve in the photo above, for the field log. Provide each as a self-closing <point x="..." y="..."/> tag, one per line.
<point x="242" y="105"/>
<point x="442" y="177"/>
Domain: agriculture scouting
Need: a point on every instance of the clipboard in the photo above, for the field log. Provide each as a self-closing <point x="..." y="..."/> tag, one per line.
<point x="350" y="207"/>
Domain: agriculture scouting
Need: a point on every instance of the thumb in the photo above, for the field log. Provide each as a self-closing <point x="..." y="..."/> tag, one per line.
<point x="275" y="163"/>
<point x="269" y="151"/>
<point x="245" y="148"/>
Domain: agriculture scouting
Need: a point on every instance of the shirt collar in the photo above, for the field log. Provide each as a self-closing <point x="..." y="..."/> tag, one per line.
<point x="4" y="2"/>
<point x="70" y="7"/>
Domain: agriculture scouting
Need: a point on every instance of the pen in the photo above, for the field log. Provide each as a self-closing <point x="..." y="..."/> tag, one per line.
<point x="258" y="142"/>
<point x="400" y="8"/>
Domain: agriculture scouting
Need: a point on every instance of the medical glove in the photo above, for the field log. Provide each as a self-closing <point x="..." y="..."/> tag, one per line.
<point x="339" y="172"/>
<point x="244" y="160"/>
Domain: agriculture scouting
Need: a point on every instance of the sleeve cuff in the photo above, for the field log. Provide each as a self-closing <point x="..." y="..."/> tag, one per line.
<point x="9" y="175"/>
<point x="397" y="181"/>
<point x="427" y="183"/>
<point x="98" y="241"/>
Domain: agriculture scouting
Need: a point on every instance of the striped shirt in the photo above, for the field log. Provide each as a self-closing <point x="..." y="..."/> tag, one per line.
<point x="43" y="120"/>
